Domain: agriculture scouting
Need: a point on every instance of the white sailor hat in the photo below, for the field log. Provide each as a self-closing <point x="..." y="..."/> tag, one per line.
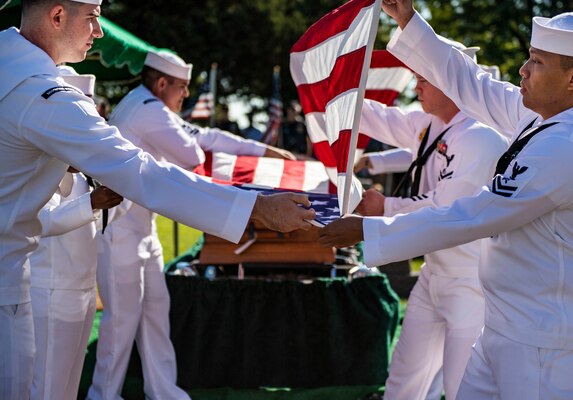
<point x="86" y="83"/>
<point x="469" y="51"/>
<point x="554" y="35"/>
<point x="169" y="64"/>
<point x="94" y="2"/>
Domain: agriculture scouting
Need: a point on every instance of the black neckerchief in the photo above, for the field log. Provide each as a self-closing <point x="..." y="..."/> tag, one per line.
<point x="517" y="146"/>
<point x="105" y="212"/>
<point x="420" y="161"/>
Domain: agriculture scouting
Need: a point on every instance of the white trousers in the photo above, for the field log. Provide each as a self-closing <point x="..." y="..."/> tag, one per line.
<point x="16" y="351"/>
<point x="443" y="320"/>
<point x="63" y="321"/>
<point x="500" y="368"/>
<point x="132" y="288"/>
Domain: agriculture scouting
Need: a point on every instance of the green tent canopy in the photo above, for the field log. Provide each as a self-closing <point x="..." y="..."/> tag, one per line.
<point x="118" y="56"/>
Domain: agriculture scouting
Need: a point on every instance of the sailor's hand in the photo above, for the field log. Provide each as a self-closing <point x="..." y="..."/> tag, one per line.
<point x="363" y="163"/>
<point x="283" y="212"/>
<point x="103" y="198"/>
<point x="275" y="152"/>
<point x="372" y="203"/>
<point x="344" y="232"/>
<point x="401" y="10"/>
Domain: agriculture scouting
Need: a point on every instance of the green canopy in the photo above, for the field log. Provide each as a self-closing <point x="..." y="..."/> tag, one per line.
<point x="118" y="56"/>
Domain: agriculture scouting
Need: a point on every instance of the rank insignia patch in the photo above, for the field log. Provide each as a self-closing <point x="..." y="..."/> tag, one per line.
<point x="510" y="186"/>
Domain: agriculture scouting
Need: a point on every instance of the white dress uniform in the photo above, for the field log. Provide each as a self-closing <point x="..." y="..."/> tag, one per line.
<point x="44" y="127"/>
<point x="526" y="214"/>
<point x="446" y="306"/>
<point x="62" y="272"/>
<point x="390" y="161"/>
<point x="130" y="267"/>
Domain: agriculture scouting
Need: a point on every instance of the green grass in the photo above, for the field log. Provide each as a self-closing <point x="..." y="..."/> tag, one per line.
<point x="416" y="264"/>
<point x="187" y="237"/>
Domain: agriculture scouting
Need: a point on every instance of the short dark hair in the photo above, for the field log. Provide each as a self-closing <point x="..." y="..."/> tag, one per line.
<point x="150" y="75"/>
<point x="566" y="62"/>
<point x="28" y="5"/>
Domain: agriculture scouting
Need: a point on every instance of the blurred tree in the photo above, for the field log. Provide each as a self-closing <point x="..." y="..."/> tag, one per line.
<point x="501" y="28"/>
<point x="248" y="37"/>
<point x="245" y="38"/>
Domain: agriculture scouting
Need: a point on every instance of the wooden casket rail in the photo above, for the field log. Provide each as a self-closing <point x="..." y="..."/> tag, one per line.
<point x="267" y="247"/>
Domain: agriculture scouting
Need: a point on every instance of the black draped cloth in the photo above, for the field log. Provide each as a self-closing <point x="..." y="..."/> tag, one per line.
<point x="255" y="333"/>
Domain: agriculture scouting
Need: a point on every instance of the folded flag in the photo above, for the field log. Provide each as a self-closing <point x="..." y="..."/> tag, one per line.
<point x="273" y="175"/>
<point x="324" y="204"/>
<point x="306" y="176"/>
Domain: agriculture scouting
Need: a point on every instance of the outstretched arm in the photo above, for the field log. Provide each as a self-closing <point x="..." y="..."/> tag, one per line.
<point x="401" y="10"/>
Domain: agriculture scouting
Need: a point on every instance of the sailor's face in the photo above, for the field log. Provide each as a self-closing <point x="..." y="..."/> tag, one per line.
<point x="430" y="97"/>
<point x="173" y="92"/>
<point x="544" y="83"/>
<point x="81" y="28"/>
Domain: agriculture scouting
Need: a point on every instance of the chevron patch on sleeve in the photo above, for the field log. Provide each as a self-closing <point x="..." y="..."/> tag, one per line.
<point x="515" y="178"/>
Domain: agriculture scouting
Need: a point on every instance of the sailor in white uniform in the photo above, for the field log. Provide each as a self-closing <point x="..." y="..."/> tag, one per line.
<point x="446" y="306"/>
<point x="525" y="214"/>
<point x="63" y="276"/>
<point x="130" y="269"/>
<point x="46" y="126"/>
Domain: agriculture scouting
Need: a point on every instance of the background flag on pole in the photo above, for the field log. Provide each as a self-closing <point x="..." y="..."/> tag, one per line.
<point x="271" y="134"/>
<point x="202" y="106"/>
<point x="329" y="65"/>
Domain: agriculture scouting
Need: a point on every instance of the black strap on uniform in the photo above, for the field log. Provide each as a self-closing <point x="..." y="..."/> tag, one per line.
<point x="105" y="212"/>
<point x="419" y="162"/>
<point x="517" y="146"/>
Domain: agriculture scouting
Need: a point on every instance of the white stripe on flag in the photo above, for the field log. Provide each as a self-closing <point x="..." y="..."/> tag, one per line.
<point x="223" y="166"/>
<point x="316" y="63"/>
<point x="393" y="78"/>
<point x="269" y="172"/>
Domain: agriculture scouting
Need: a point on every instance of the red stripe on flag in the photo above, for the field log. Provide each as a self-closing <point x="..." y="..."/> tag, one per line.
<point x="293" y="175"/>
<point x="341" y="149"/>
<point x="386" y="96"/>
<point x="332" y="188"/>
<point x="313" y="96"/>
<point x="330" y="25"/>
<point x="208" y="164"/>
<point x="324" y="153"/>
<point x="244" y="171"/>
<point x="346" y="73"/>
<point x="205" y="169"/>
<point x="362" y="141"/>
<point x="384" y="59"/>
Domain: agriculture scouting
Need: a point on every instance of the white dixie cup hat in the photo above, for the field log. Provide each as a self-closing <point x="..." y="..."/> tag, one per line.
<point x="168" y="63"/>
<point x="554" y="35"/>
<point x="84" y="82"/>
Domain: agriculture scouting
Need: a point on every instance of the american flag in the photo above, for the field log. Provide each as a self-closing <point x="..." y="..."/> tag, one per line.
<point x="202" y="105"/>
<point x="306" y="176"/>
<point x="324" y="204"/>
<point x="273" y="175"/>
<point x="271" y="134"/>
<point x="327" y="65"/>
